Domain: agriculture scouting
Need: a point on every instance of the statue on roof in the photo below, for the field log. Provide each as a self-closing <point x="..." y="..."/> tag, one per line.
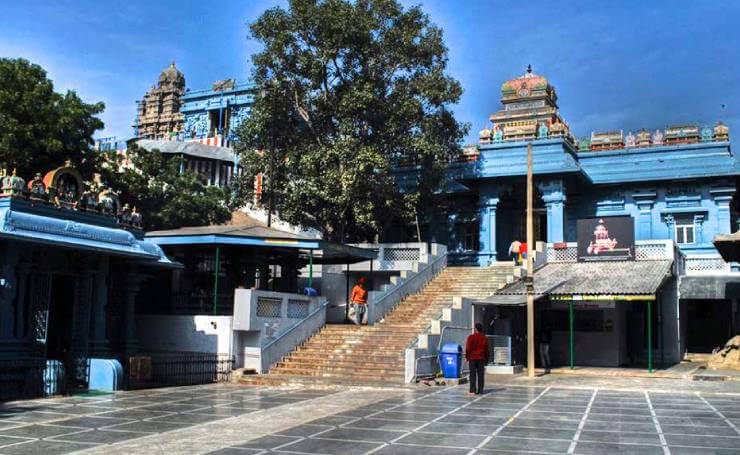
<point x="658" y="137"/>
<point x="12" y="185"/>
<point x="630" y="140"/>
<point x="542" y="131"/>
<point x="707" y="134"/>
<point x="37" y="188"/>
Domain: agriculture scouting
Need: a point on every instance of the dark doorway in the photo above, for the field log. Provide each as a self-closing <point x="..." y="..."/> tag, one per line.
<point x="709" y="324"/>
<point x="61" y="311"/>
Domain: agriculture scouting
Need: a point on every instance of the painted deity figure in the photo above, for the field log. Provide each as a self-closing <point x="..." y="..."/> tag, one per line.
<point x="658" y="137"/>
<point x="630" y="140"/>
<point x="706" y="134"/>
<point x="136" y="218"/>
<point x="12" y="184"/>
<point x="542" y="131"/>
<point x="107" y="202"/>
<point x="125" y="216"/>
<point x="498" y="134"/>
<point x="37" y="188"/>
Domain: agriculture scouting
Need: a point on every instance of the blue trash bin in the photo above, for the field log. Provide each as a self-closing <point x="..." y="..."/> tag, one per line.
<point x="450" y="360"/>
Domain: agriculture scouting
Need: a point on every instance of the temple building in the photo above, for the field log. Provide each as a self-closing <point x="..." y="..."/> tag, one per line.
<point x="213" y="115"/>
<point x="73" y="262"/>
<point x="662" y="195"/>
<point x="158" y="113"/>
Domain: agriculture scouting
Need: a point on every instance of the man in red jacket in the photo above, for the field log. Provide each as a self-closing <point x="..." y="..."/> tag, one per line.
<point x="476" y="353"/>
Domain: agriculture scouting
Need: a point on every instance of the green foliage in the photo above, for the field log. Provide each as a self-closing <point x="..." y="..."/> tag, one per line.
<point x="39" y="128"/>
<point x="349" y="90"/>
<point x="167" y="198"/>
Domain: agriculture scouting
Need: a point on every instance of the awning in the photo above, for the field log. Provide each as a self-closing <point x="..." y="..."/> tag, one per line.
<point x="728" y="246"/>
<point x="258" y="235"/>
<point x="66" y="233"/>
<point x="608" y="280"/>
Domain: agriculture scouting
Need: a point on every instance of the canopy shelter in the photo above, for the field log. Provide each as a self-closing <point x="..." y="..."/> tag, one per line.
<point x="728" y="246"/>
<point x="250" y="254"/>
<point x="577" y="283"/>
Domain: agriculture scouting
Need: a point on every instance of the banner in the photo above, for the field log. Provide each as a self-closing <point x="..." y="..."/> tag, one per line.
<point x="606" y="239"/>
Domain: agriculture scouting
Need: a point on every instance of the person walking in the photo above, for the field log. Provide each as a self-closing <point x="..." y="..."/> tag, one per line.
<point x="545" y="338"/>
<point x="358" y="301"/>
<point x="514" y="251"/>
<point x="476" y="353"/>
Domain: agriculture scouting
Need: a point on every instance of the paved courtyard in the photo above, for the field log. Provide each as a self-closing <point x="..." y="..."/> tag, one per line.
<point x="509" y="418"/>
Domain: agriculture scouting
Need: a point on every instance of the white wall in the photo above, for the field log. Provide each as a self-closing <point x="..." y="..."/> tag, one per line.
<point x="199" y="333"/>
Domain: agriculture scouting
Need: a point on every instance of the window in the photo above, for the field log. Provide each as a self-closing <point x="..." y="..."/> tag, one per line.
<point x="468" y="236"/>
<point x="684" y="230"/>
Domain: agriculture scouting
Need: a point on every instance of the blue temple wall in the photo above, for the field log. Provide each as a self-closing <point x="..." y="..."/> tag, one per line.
<point x="198" y="103"/>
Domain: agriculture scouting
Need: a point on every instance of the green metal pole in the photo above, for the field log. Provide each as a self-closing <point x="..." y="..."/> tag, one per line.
<point x="570" y="336"/>
<point x="310" y="268"/>
<point x="216" y="273"/>
<point x="650" y="335"/>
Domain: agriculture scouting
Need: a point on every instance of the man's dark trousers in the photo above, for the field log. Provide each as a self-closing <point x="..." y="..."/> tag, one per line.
<point x="477" y="375"/>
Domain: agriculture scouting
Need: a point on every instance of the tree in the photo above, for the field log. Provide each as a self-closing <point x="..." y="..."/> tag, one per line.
<point x="166" y="197"/>
<point x="348" y="91"/>
<point x="39" y="128"/>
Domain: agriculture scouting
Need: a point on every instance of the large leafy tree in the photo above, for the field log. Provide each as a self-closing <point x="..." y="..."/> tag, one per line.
<point x="166" y="197"/>
<point x="41" y="129"/>
<point x="347" y="91"/>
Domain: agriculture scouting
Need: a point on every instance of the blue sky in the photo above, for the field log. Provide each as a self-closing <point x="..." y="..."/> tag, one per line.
<point x="616" y="65"/>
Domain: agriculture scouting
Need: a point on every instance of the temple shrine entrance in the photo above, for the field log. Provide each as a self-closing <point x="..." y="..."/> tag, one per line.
<point x="61" y="318"/>
<point x="511" y="220"/>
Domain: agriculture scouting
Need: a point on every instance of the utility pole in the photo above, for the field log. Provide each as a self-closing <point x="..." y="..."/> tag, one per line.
<point x="530" y="266"/>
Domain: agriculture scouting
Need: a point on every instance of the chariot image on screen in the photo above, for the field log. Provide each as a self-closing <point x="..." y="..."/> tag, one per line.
<point x="601" y="241"/>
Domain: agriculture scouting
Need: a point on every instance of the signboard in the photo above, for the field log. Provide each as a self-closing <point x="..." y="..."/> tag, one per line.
<point x="606" y="239"/>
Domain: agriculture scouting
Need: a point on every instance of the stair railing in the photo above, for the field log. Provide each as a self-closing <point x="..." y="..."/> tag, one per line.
<point x="274" y="351"/>
<point x="377" y="309"/>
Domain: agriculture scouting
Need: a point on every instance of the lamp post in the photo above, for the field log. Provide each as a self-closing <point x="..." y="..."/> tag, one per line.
<point x="529" y="280"/>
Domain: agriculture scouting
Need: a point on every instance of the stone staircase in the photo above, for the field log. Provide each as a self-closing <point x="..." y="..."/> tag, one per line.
<point x="370" y="354"/>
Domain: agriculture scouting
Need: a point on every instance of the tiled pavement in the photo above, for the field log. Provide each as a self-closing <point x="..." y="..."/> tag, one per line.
<point x="508" y="419"/>
<point x="66" y="425"/>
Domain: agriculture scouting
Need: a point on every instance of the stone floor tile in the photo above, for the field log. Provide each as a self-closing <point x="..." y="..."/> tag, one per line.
<point x="722" y="442"/>
<point x="380" y="424"/>
<point x="331" y="447"/>
<point x="539" y="433"/>
<point x="7" y="440"/>
<point x="99" y="436"/>
<point x="619" y="437"/>
<point x="600" y="448"/>
<point x="146" y="426"/>
<point x="527" y="445"/>
<point x="235" y="451"/>
<point x="269" y="442"/>
<point x="305" y="430"/>
<point x="44" y="447"/>
<point x="38" y="431"/>
<point x="189" y="418"/>
<point x="716" y="430"/>
<point x="396" y="449"/>
<point x="89" y="422"/>
<point x="364" y="434"/>
<point x="442" y="440"/>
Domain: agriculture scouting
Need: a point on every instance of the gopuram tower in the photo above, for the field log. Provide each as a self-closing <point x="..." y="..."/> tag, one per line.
<point x="158" y="113"/>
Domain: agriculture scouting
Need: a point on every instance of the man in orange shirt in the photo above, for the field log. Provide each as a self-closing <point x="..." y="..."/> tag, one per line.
<point x="476" y="353"/>
<point x="359" y="301"/>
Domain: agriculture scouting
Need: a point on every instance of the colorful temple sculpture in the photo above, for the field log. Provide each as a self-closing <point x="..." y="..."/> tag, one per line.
<point x="212" y="116"/>
<point x="73" y="262"/>
<point x="158" y="113"/>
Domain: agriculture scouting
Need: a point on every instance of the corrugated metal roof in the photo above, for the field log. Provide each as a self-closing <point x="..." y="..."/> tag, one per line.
<point x="195" y="149"/>
<point x="593" y="278"/>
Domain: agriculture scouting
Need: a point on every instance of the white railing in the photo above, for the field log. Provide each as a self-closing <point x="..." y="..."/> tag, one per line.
<point x="705" y="265"/>
<point x="645" y="250"/>
<point x="278" y="322"/>
<point x="382" y="302"/>
<point x="394" y="257"/>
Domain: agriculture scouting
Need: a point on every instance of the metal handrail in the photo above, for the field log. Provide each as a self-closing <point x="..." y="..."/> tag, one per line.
<point x="295" y="326"/>
<point x="403" y="287"/>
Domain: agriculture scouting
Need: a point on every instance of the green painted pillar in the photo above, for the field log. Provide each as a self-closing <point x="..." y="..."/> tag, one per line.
<point x="310" y="268"/>
<point x="216" y="273"/>
<point x="650" y="335"/>
<point x="571" y="354"/>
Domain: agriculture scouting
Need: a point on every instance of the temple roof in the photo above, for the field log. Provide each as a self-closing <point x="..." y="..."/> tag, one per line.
<point x="190" y="148"/>
<point x="173" y="76"/>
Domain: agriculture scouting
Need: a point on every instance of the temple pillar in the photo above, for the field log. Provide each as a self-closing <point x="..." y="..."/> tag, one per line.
<point x="8" y="286"/>
<point x="488" y="200"/>
<point x="644" y="202"/>
<point x="553" y="195"/>
<point x="132" y="286"/>
<point x="670" y="222"/>
<point x="699" y="228"/>
<point x="99" y="341"/>
<point x="452" y="241"/>
<point x="722" y="198"/>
